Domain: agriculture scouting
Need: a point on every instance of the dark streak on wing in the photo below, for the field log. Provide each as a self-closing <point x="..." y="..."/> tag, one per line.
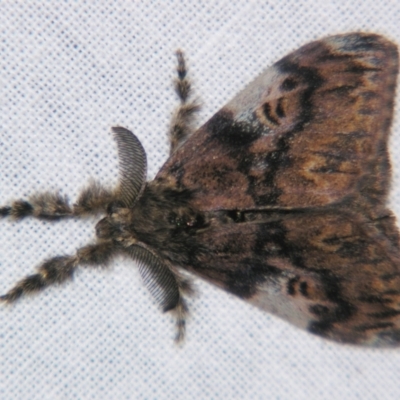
<point x="230" y="133"/>
<point x="273" y="144"/>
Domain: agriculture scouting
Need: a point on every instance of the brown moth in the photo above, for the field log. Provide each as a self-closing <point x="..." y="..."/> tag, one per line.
<point x="280" y="198"/>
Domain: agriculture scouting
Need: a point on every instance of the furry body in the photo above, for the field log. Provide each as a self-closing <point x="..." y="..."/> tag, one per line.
<point x="280" y="198"/>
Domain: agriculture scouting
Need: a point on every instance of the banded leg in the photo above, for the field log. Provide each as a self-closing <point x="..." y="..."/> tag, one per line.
<point x="181" y="126"/>
<point x="93" y="199"/>
<point x="48" y="205"/>
<point x="60" y="269"/>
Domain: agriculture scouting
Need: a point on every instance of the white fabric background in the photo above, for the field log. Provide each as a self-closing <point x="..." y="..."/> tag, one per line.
<point x="69" y="70"/>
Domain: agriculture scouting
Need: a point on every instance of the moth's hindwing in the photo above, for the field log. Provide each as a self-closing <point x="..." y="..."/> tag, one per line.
<point x="291" y="179"/>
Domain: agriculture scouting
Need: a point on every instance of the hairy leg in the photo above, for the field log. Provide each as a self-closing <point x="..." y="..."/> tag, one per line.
<point x="59" y="269"/>
<point x="181" y="126"/>
<point x="93" y="199"/>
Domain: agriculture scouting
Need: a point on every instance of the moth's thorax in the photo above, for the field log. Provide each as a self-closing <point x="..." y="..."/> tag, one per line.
<point x="116" y="226"/>
<point x="159" y="215"/>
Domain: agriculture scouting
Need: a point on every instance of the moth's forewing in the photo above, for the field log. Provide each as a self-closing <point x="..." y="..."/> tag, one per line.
<point x="300" y="155"/>
<point x="309" y="131"/>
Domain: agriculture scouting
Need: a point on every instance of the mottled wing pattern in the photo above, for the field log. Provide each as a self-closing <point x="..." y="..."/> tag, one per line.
<point x="292" y="178"/>
<point x="279" y="198"/>
<point x="309" y="131"/>
<point x="331" y="272"/>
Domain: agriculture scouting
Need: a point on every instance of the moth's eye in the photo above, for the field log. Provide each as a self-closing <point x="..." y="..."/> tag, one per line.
<point x="114" y="206"/>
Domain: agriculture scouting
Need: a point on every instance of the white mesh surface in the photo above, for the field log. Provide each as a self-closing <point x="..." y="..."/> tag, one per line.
<point x="69" y="70"/>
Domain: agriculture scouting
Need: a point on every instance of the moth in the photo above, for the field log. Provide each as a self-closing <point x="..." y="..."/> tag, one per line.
<point x="280" y="198"/>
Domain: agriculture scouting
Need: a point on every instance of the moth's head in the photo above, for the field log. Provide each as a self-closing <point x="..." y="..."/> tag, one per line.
<point x="114" y="225"/>
<point x="140" y="211"/>
<point x="104" y="229"/>
<point x="132" y="181"/>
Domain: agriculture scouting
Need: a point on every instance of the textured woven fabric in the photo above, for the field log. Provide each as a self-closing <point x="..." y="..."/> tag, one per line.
<point x="69" y="70"/>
